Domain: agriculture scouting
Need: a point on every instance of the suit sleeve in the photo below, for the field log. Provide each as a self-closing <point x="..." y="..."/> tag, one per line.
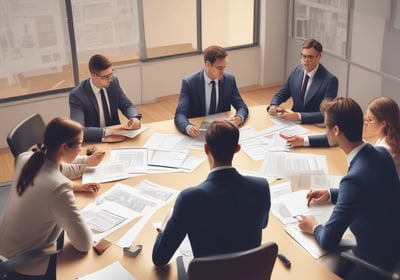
<point x="169" y="240"/>
<point x="319" y="141"/>
<point x="183" y="109"/>
<point x="77" y="113"/>
<point x="238" y="103"/>
<point x="348" y="204"/>
<point x="125" y="104"/>
<point x="284" y="92"/>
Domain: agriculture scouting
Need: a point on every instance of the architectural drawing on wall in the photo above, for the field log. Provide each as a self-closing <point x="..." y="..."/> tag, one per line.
<point x="324" y="20"/>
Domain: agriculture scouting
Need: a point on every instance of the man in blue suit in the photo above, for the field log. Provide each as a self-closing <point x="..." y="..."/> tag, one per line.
<point x="197" y="97"/>
<point x="224" y="214"/>
<point x="367" y="200"/>
<point x="308" y="85"/>
<point x="94" y="103"/>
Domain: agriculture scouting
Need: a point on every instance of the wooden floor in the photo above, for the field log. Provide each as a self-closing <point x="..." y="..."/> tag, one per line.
<point x="163" y="109"/>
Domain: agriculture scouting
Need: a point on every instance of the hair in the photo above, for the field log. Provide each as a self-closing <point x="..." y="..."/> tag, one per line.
<point x="212" y="53"/>
<point x="98" y="63"/>
<point x="58" y="131"/>
<point x="346" y="114"/>
<point x="222" y="139"/>
<point x="312" y="43"/>
<point x="387" y="110"/>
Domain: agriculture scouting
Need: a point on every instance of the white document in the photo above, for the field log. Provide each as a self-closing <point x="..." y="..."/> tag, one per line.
<point x="290" y="165"/>
<point x="167" y="158"/>
<point x="122" y="203"/>
<point x="296" y="203"/>
<point x="130" y="133"/>
<point x="163" y="141"/>
<point x="134" y="159"/>
<point x="278" y="208"/>
<point x="112" y="271"/>
<point x="325" y="181"/>
<point x="307" y="241"/>
<point x="105" y="172"/>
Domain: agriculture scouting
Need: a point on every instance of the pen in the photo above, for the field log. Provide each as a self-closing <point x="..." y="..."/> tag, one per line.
<point x="284" y="260"/>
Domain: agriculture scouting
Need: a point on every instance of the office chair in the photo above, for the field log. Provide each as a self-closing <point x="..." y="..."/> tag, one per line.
<point x="8" y="265"/>
<point x="393" y="274"/>
<point x="255" y="264"/>
<point x="27" y="133"/>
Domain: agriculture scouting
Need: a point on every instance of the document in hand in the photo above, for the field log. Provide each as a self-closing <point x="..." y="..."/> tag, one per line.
<point x="296" y="204"/>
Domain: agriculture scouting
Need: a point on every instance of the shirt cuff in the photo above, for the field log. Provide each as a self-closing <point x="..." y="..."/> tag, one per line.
<point x="188" y="127"/>
<point x="306" y="141"/>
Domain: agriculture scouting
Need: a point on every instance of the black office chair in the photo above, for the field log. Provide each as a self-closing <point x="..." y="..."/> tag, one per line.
<point x="9" y="265"/>
<point x="26" y="134"/>
<point x="350" y="257"/>
<point x="254" y="264"/>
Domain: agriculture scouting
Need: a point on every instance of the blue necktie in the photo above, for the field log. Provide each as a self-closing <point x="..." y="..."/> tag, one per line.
<point x="213" y="101"/>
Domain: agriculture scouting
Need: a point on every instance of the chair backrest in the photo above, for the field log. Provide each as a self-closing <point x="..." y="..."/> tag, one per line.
<point x="27" y="133"/>
<point x="255" y="264"/>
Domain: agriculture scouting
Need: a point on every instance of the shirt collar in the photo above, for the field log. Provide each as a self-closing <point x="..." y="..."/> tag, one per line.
<point x="311" y="74"/>
<point x="354" y="152"/>
<point x="94" y="88"/>
<point x="221" y="168"/>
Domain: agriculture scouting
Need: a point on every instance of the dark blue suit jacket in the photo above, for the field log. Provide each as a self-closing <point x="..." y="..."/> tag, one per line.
<point x="324" y="85"/>
<point x="85" y="110"/>
<point x="224" y="214"/>
<point x="367" y="201"/>
<point x="192" y="100"/>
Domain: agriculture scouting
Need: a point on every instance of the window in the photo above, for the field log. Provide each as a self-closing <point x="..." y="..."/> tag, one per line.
<point x="45" y="45"/>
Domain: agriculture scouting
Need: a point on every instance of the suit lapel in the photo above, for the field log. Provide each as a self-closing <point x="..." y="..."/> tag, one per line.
<point x="92" y="97"/>
<point x="221" y="95"/>
<point x="201" y="90"/>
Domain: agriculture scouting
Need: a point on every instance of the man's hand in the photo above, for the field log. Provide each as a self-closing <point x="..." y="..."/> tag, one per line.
<point x="293" y="141"/>
<point x="307" y="223"/>
<point x="236" y="120"/>
<point x="194" y="131"/>
<point x="274" y="110"/>
<point x="133" y="123"/>
<point x="289" y="116"/>
<point x="317" y="197"/>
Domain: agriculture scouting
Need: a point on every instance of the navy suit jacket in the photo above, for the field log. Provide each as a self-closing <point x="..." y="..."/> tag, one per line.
<point x="85" y="109"/>
<point x="324" y="85"/>
<point x="367" y="201"/>
<point x="319" y="141"/>
<point x="192" y="99"/>
<point x="226" y="213"/>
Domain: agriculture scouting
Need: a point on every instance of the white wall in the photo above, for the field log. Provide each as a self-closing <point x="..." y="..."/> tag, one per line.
<point x="144" y="82"/>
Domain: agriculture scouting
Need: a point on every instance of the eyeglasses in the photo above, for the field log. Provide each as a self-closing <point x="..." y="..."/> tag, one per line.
<point x="307" y="57"/>
<point x="74" y="144"/>
<point x="220" y="67"/>
<point x="108" y="76"/>
<point x="368" y="120"/>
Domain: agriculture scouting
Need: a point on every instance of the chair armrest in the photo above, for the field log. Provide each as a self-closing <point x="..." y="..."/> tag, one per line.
<point x="349" y="255"/>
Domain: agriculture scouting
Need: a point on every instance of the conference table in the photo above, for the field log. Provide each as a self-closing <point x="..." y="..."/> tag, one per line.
<point x="71" y="263"/>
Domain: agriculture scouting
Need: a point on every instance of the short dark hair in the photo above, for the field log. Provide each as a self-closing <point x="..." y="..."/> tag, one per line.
<point x="347" y="115"/>
<point x="212" y="53"/>
<point x="312" y="43"/>
<point x="222" y="138"/>
<point x="98" y="63"/>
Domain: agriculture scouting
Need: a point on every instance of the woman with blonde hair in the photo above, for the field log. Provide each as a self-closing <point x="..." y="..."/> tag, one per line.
<point x="41" y="203"/>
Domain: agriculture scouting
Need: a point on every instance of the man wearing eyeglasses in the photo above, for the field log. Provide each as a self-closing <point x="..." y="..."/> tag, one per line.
<point x="308" y="85"/>
<point x="95" y="102"/>
<point x="208" y="92"/>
